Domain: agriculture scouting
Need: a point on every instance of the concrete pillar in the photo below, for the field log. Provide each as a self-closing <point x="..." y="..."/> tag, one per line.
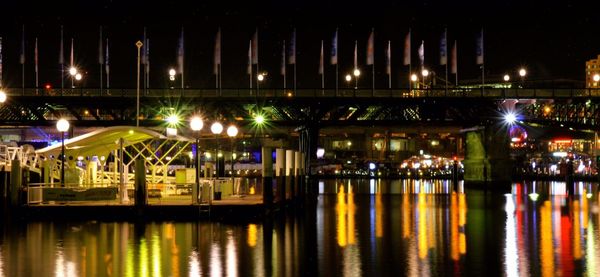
<point x="91" y="171"/>
<point x="486" y="156"/>
<point x="280" y="173"/>
<point x="16" y="178"/>
<point x="267" y="175"/>
<point x="297" y="173"/>
<point x="290" y="173"/>
<point x="46" y="169"/>
<point x="141" y="190"/>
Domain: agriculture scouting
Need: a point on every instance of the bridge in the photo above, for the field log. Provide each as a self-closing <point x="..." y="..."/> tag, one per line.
<point x="309" y="112"/>
<point x="465" y="106"/>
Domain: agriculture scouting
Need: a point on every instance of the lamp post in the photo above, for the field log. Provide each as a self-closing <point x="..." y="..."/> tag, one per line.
<point x="356" y="73"/>
<point x="139" y="45"/>
<point x="216" y="128"/>
<point x="232" y="131"/>
<point x="196" y="124"/>
<point x="72" y="72"/>
<point x="78" y="78"/>
<point x="172" y="73"/>
<point x="62" y="126"/>
<point x="259" y="78"/>
<point x="425" y="73"/>
<point x="522" y="73"/>
<point x="348" y="79"/>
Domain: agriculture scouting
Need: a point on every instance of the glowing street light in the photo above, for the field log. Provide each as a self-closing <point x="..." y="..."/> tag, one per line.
<point x="348" y="78"/>
<point x="62" y="126"/>
<point x="173" y="120"/>
<point x="172" y="73"/>
<point x="356" y="72"/>
<point x="506" y="78"/>
<point x="260" y="77"/>
<point x="259" y="119"/>
<point x="196" y="124"/>
<point x="232" y="131"/>
<point x="425" y="72"/>
<point x="414" y="77"/>
<point x="2" y="96"/>
<point x="78" y="76"/>
<point x="510" y="118"/>
<point x="217" y="128"/>
<point x="72" y="71"/>
<point x="596" y="77"/>
<point x="522" y="72"/>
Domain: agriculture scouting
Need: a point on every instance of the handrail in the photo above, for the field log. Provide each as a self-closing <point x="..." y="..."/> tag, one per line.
<point x="314" y="93"/>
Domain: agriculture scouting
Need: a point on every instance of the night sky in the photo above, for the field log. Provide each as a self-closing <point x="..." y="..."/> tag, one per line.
<point x="553" y="39"/>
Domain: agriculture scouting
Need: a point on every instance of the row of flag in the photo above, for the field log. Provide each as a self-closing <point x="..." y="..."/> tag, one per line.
<point x="288" y="57"/>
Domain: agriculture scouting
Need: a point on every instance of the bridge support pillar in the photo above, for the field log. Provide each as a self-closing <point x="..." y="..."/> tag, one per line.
<point x="290" y="173"/>
<point x="267" y="174"/>
<point x="16" y="179"/>
<point x="141" y="190"/>
<point x="298" y="175"/>
<point x="309" y="140"/>
<point x="280" y="172"/>
<point x="486" y="156"/>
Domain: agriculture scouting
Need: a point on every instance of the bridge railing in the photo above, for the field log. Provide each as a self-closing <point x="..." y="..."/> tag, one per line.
<point x="315" y="93"/>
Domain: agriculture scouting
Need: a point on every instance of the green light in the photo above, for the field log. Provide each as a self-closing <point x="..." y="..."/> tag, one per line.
<point x="259" y="119"/>
<point x="173" y="119"/>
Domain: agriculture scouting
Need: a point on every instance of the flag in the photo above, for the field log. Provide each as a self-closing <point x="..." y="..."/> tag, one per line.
<point x="147" y="55"/>
<point x="422" y="53"/>
<point x="370" y="47"/>
<point x="249" y="69"/>
<point x="292" y="56"/>
<point x="217" y="58"/>
<point x="72" y="55"/>
<point x="355" y="54"/>
<point x="22" y="57"/>
<point x="255" y="47"/>
<point x="334" y="48"/>
<point x="61" y="53"/>
<point x="180" y="53"/>
<point x="282" y="70"/>
<point x="35" y="55"/>
<point x="407" y="49"/>
<point x="443" y="49"/>
<point x="454" y="60"/>
<point x="321" y="65"/>
<point x="388" y="59"/>
<point x="479" y="50"/>
<point x="107" y="60"/>
<point x="100" y="54"/>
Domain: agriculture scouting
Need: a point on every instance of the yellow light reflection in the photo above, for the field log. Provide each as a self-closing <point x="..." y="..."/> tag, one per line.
<point x="546" y="248"/>
<point x="351" y="215"/>
<point x="341" y="220"/>
<point x="194" y="264"/>
<point x="422" y="237"/>
<point x="143" y="258"/>
<point x="378" y="215"/>
<point x="156" y="255"/>
<point x="231" y="256"/>
<point x="252" y="231"/>
<point x="462" y="220"/>
<point x="406" y="216"/>
<point x="577" y="251"/>
<point x="454" y="227"/>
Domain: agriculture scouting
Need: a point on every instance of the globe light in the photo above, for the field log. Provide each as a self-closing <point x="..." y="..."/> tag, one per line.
<point x="196" y="123"/>
<point x="62" y="125"/>
<point x="216" y="128"/>
<point x="2" y="96"/>
<point x="522" y="72"/>
<point x="172" y="72"/>
<point x="596" y="77"/>
<point x="356" y="72"/>
<point x="425" y="72"/>
<point x="173" y="119"/>
<point x="506" y="78"/>
<point x="260" y="77"/>
<point x="72" y="71"/>
<point x="78" y="76"/>
<point x="414" y="77"/>
<point x="348" y="78"/>
<point x="232" y="131"/>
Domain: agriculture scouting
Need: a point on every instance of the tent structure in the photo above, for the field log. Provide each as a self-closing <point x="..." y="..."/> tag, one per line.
<point x="103" y="141"/>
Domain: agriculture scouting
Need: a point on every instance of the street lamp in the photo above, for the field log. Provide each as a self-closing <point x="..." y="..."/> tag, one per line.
<point x="216" y="128"/>
<point x="2" y="96"/>
<point x="172" y="73"/>
<point x="506" y="78"/>
<point x="522" y="74"/>
<point x="596" y="79"/>
<point x="232" y="131"/>
<point x="196" y="124"/>
<point x="139" y="45"/>
<point x="62" y="126"/>
<point x="72" y="72"/>
<point x="356" y="73"/>
<point x="260" y="77"/>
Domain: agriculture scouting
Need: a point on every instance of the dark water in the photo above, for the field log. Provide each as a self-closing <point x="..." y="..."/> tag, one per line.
<point x="354" y="228"/>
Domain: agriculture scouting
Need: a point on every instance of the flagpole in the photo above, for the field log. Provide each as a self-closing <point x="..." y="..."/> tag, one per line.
<point x="284" y="64"/>
<point x="62" y="62"/>
<point x="23" y="61"/>
<point x="250" y="65"/>
<point x="182" y="59"/>
<point x="107" y="67"/>
<point x="373" y="66"/>
<point x="322" y="68"/>
<point x="446" y="53"/>
<point x="37" y="84"/>
<point x="482" y="62"/>
<point x="100" y="58"/>
<point x="390" y="64"/>
<point x="295" y="93"/>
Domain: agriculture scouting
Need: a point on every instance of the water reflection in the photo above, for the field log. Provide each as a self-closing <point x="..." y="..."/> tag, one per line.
<point x="355" y="227"/>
